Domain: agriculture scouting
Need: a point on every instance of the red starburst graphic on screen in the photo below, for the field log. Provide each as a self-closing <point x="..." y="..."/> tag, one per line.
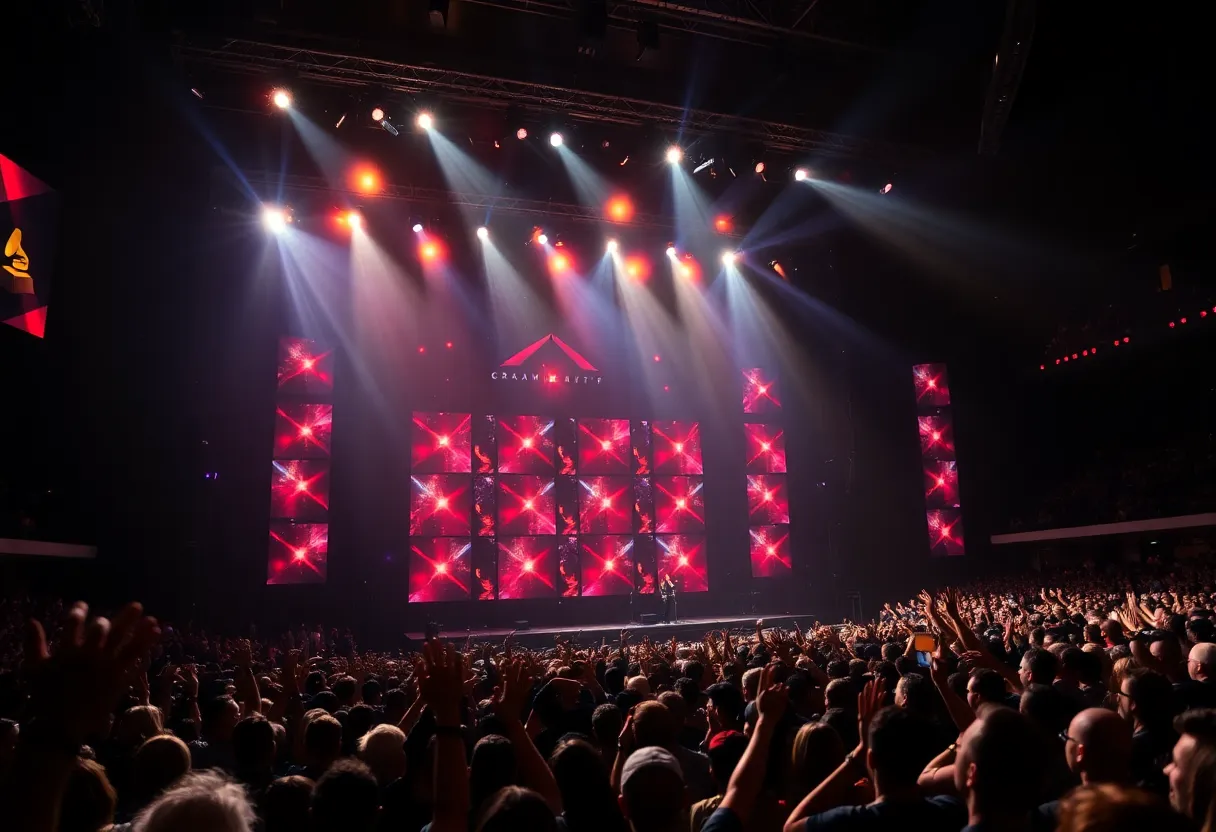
<point x="932" y="385"/>
<point x="299" y="489"/>
<point x="677" y="448"/>
<point x="442" y="443"/>
<point x="936" y="436"/>
<point x="765" y="449"/>
<point x="439" y="569"/>
<point x="526" y="505"/>
<point x="759" y="391"/>
<point x="770" y="551"/>
<point x="439" y="505"/>
<point x="299" y="553"/>
<point x="302" y="431"/>
<point x="604" y="505"/>
<point x="607" y="562"/>
<point x="604" y="446"/>
<point x="485" y="506"/>
<point x="945" y="531"/>
<point x="767" y="502"/>
<point x="526" y="567"/>
<point x="679" y="504"/>
<point x="941" y="483"/>
<point x="682" y="556"/>
<point x="304" y="367"/>
<point x="525" y="445"/>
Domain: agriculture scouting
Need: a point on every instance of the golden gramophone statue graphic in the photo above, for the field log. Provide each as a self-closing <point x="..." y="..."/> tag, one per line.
<point x="16" y="275"/>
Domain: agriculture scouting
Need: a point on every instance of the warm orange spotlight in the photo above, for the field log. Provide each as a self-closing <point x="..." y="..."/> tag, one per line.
<point x="365" y="180"/>
<point x="620" y="209"/>
<point x="637" y="268"/>
<point x="724" y="224"/>
<point x="688" y="269"/>
<point x="780" y="270"/>
<point x="351" y="219"/>
<point x="559" y="263"/>
<point x="430" y="250"/>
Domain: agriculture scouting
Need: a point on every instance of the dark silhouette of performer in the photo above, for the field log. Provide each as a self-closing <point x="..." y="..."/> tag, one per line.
<point x="667" y="589"/>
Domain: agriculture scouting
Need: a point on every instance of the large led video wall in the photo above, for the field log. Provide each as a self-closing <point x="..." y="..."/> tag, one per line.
<point x="524" y="506"/>
<point x="299" y="467"/>
<point x="768" y="507"/>
<point x="943" y="511"/>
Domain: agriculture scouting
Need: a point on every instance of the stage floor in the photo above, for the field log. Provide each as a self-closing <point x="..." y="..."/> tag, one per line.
<point x="683" y="629"/>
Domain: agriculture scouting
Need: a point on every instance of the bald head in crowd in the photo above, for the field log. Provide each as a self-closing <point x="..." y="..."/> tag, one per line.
<point x="1201" y="664"/>
<point x="1099" y="747"/>
<point x="998" y="769"/>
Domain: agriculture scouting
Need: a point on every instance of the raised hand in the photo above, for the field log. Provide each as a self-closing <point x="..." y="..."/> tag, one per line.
<point x="773" y="698"/>
<point x="627" y="742"/>
<point x="512" y="695"/>
<point x="869" y="702"/>
<point x="442" y="682"/>
<point x="74" y="690"/>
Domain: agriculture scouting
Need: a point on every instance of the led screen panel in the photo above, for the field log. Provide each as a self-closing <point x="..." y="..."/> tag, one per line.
<point x="760" y="393"/>
<point x="677" y="447"/>
<point x="605" y="505"/>
<point x="682" y="556"/>
<point x="607" y="562"/>
<point x="302" y="431"/>
<point x="936" y="436"/>
<point x="945" y="532"/>
<point x="299" y="553"/>
<point x="440" y="505"/>
<point x="304" y="367"/>
<point x="765" y="449"/>
<point x="679" y="504"/>
<point x="525" y="445"/>
<point x="527" y="567"/>
<point x="605" y="446"/>
<point x="526" y="505"/>
<point x="441" y="443"/>
<point x="941" y="483"/>
<point x="932" y="385"/>
<point x="770" y="551"/>
<point x="299" y="489"/>
<point x="767" y="502"/>
<point x="440" y="569"/>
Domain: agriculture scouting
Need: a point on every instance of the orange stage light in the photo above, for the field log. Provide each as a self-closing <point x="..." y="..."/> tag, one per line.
<point x="724" y="224"/>
<point x="365" y="179"/>
<point x="620" y="209"/>
<point x="559" y="263"/>
<point x="637" y="268"/>
<point x="431" y="250"/>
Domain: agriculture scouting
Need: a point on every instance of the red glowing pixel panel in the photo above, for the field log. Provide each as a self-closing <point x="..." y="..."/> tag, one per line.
<point x="565" y="434"/>
<point x="932" y="385"/>
<point x="485" y="569"/>
<point x="302" y="431"/>
<point x="304" y="367"/>
<point x="941" y="483"/>
<point x="679" y="504"/>
<point x="643" y="505"/>
<point x="440" y="505"/>
<point x="767" y="501"/>
<point x="677" y="448"/>
<point x="759" y="391"/>
<point x="936" y="436"/>
<point x="604" y="446"/>
<point x="527" y="567"/>
<point x="568" y="572"/>
<point x="442" y="443"/>
<point x="526" y="505"/>
<point x="605" y="505"/>
<point x="682" y="556"/>
<point x="765" y="449"/>
<point x="945" y="532"/>
<point x="299" y="489"/>
<point x="607" y="562"/>
<point x="440" y="569"/>
<point x="645" y="565"/>
<point x="525" y="445"/>
<point x="485" y="502"/>
<point x="485" y="445"/>
<point x="299" y="553"/>
<point x="770" y="551"/>
<point x="641" y="448"/>
<point x="567" y="505"/>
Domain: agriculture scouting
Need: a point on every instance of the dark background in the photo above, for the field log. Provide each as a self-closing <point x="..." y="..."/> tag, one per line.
<point x="158" y="361"/>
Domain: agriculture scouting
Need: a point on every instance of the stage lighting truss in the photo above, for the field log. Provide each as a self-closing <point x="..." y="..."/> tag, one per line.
<point x="338" y="69"/>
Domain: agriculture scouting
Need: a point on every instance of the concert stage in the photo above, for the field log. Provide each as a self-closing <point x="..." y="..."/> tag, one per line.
<point x="684" y="629"/>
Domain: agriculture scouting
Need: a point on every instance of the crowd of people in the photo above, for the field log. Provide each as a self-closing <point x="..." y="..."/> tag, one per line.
<point x="1006" y="705"/>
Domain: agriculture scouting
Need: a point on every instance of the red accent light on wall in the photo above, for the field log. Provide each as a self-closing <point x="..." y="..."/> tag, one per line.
<point x="421" y="350"/>
<point x="723" y="224"/>
<point x="1126" y="339"/>
<point x="559" y="263"/>
<point x="1057" y="361"/>
<point x="1085" y="353"/>
<point x="619" y="209"/>
<point x="448" y="345"/>
<point x="1171" y="324"/>
<point x="657" y="358"/>
<point x="1074" y="356"/>
<point x="1183" y="320"/>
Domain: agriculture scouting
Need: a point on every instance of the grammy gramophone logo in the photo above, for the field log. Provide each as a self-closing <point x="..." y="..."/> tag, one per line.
<point x="16" y="275"/>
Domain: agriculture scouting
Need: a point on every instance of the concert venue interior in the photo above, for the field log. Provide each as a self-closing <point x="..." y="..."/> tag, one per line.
<point x="408" y="326"/>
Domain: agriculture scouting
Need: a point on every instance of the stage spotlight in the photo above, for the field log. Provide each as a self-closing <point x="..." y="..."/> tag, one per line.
<point x="417" y="228"/>
<point x="886" y="189"/>
<point x="728" y="258"/>
<point x="367" y="181"/>
<point x="800" y="175"/>
<point x="636" y="268"/>
<point x="556" y="139"/>
<point x="354" y="219"/>
<point x="429" y="251"/>
<point x="780" y="270"/>
<point x="483" y="233"/>
<point x="274" y="218"/>
<point x="425" y="120"/>
<point x="612" y="247"/>
<point x="620" y="209"/>
<point x="723" y="224"/>
<point x="543" y="239"/>
<point x="759" y="167"/>
<point x="281" y="98"/>
<point x="674" y="155"/>
<point x="559" y="263"/>
<point x="377" y="115"/>
<point x="521" y="134"/>
<point x="671" y="251"/>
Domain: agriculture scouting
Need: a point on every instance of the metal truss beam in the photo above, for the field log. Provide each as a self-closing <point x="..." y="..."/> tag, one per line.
<point x="757" y="22"/>
<point x="335" y="68"/>
<point x="273" y="182"/>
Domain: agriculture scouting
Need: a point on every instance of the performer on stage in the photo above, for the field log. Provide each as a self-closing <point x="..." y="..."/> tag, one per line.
<point x="667" y="589"/>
